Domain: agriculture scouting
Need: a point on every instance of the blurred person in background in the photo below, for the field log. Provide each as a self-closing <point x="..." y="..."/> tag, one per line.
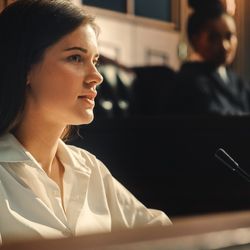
<point x="206" y="84"/>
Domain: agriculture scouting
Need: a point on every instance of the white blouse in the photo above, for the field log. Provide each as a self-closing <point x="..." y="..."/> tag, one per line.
<point x="94" y="201"/>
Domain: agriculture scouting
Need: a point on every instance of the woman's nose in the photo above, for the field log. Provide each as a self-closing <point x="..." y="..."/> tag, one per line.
<point x="94" y="77"/>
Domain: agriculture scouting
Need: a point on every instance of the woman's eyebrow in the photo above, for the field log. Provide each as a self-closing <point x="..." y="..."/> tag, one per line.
<point x="82" y="50"/>
<point x="77" y="48"/>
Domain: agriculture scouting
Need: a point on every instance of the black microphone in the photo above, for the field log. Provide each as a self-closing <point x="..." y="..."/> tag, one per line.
<point x="227" y="160"/>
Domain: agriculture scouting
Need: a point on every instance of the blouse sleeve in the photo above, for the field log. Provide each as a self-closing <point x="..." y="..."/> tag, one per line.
<point x="128" y="212"/>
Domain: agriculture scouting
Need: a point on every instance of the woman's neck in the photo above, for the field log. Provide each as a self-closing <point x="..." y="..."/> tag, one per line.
<point x="40" y="139"/>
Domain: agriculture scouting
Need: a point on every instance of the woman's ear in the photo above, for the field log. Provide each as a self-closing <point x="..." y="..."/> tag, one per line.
<point x="27" y="81"/>
<point x="29" y="78"/>
<point x="31" y="75"/>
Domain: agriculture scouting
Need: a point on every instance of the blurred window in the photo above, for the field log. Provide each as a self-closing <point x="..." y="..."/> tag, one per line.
<point x="164" y="11"/>
<point x="115" y="5"/>
<point x="156" y="9"/>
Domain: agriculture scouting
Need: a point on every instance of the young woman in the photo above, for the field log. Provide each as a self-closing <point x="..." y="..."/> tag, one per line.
<point x="48" y="80"/>
<point x="205" y="83"/>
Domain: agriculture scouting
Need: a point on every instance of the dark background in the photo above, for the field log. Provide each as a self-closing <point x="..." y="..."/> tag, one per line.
<point x="168" y="162"/>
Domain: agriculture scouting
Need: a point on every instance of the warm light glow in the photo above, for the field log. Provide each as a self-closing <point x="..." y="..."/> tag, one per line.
<point x="77" y="2"/>
<point x="231" y="7"/>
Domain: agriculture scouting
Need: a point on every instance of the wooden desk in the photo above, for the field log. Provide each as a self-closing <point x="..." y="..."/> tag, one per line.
<point x="218" y="231"/>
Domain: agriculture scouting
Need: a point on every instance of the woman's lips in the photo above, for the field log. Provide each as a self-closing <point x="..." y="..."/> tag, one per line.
<point x="88" y="98"/>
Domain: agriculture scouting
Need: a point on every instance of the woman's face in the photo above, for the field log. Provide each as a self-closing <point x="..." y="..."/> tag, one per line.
<point x="62" y="87"/>
<point x="217" y="43"/>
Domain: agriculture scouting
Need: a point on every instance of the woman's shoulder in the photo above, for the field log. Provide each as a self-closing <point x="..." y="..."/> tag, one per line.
<point x="80" y="152"/>
<point x="84" y="157"/>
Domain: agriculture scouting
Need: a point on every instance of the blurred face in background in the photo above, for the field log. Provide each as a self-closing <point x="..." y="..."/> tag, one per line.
<point x="217" y="42"/>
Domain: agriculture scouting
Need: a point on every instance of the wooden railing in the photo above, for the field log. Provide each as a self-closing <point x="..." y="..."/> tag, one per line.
<point x="217" y="231"/>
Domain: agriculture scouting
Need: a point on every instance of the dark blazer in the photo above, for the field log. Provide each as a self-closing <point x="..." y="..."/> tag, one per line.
<point x="199" y="89"/>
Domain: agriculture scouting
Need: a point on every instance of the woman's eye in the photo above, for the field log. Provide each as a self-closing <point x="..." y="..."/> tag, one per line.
<point x="96" y="63"/>
<point x="75" y="58"/>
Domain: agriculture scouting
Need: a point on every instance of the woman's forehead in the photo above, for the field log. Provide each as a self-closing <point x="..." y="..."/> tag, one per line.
<point x="83" y="37"/>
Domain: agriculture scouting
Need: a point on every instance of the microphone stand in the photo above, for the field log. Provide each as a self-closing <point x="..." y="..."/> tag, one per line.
<point x="228" y="161"/>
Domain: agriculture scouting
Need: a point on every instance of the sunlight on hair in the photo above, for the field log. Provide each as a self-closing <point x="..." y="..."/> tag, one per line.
<point x="77" y="2"/>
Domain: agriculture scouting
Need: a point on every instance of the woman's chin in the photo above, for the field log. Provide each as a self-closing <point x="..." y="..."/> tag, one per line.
<point x="84" y="119"/>
<point x="88" y="118"/>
